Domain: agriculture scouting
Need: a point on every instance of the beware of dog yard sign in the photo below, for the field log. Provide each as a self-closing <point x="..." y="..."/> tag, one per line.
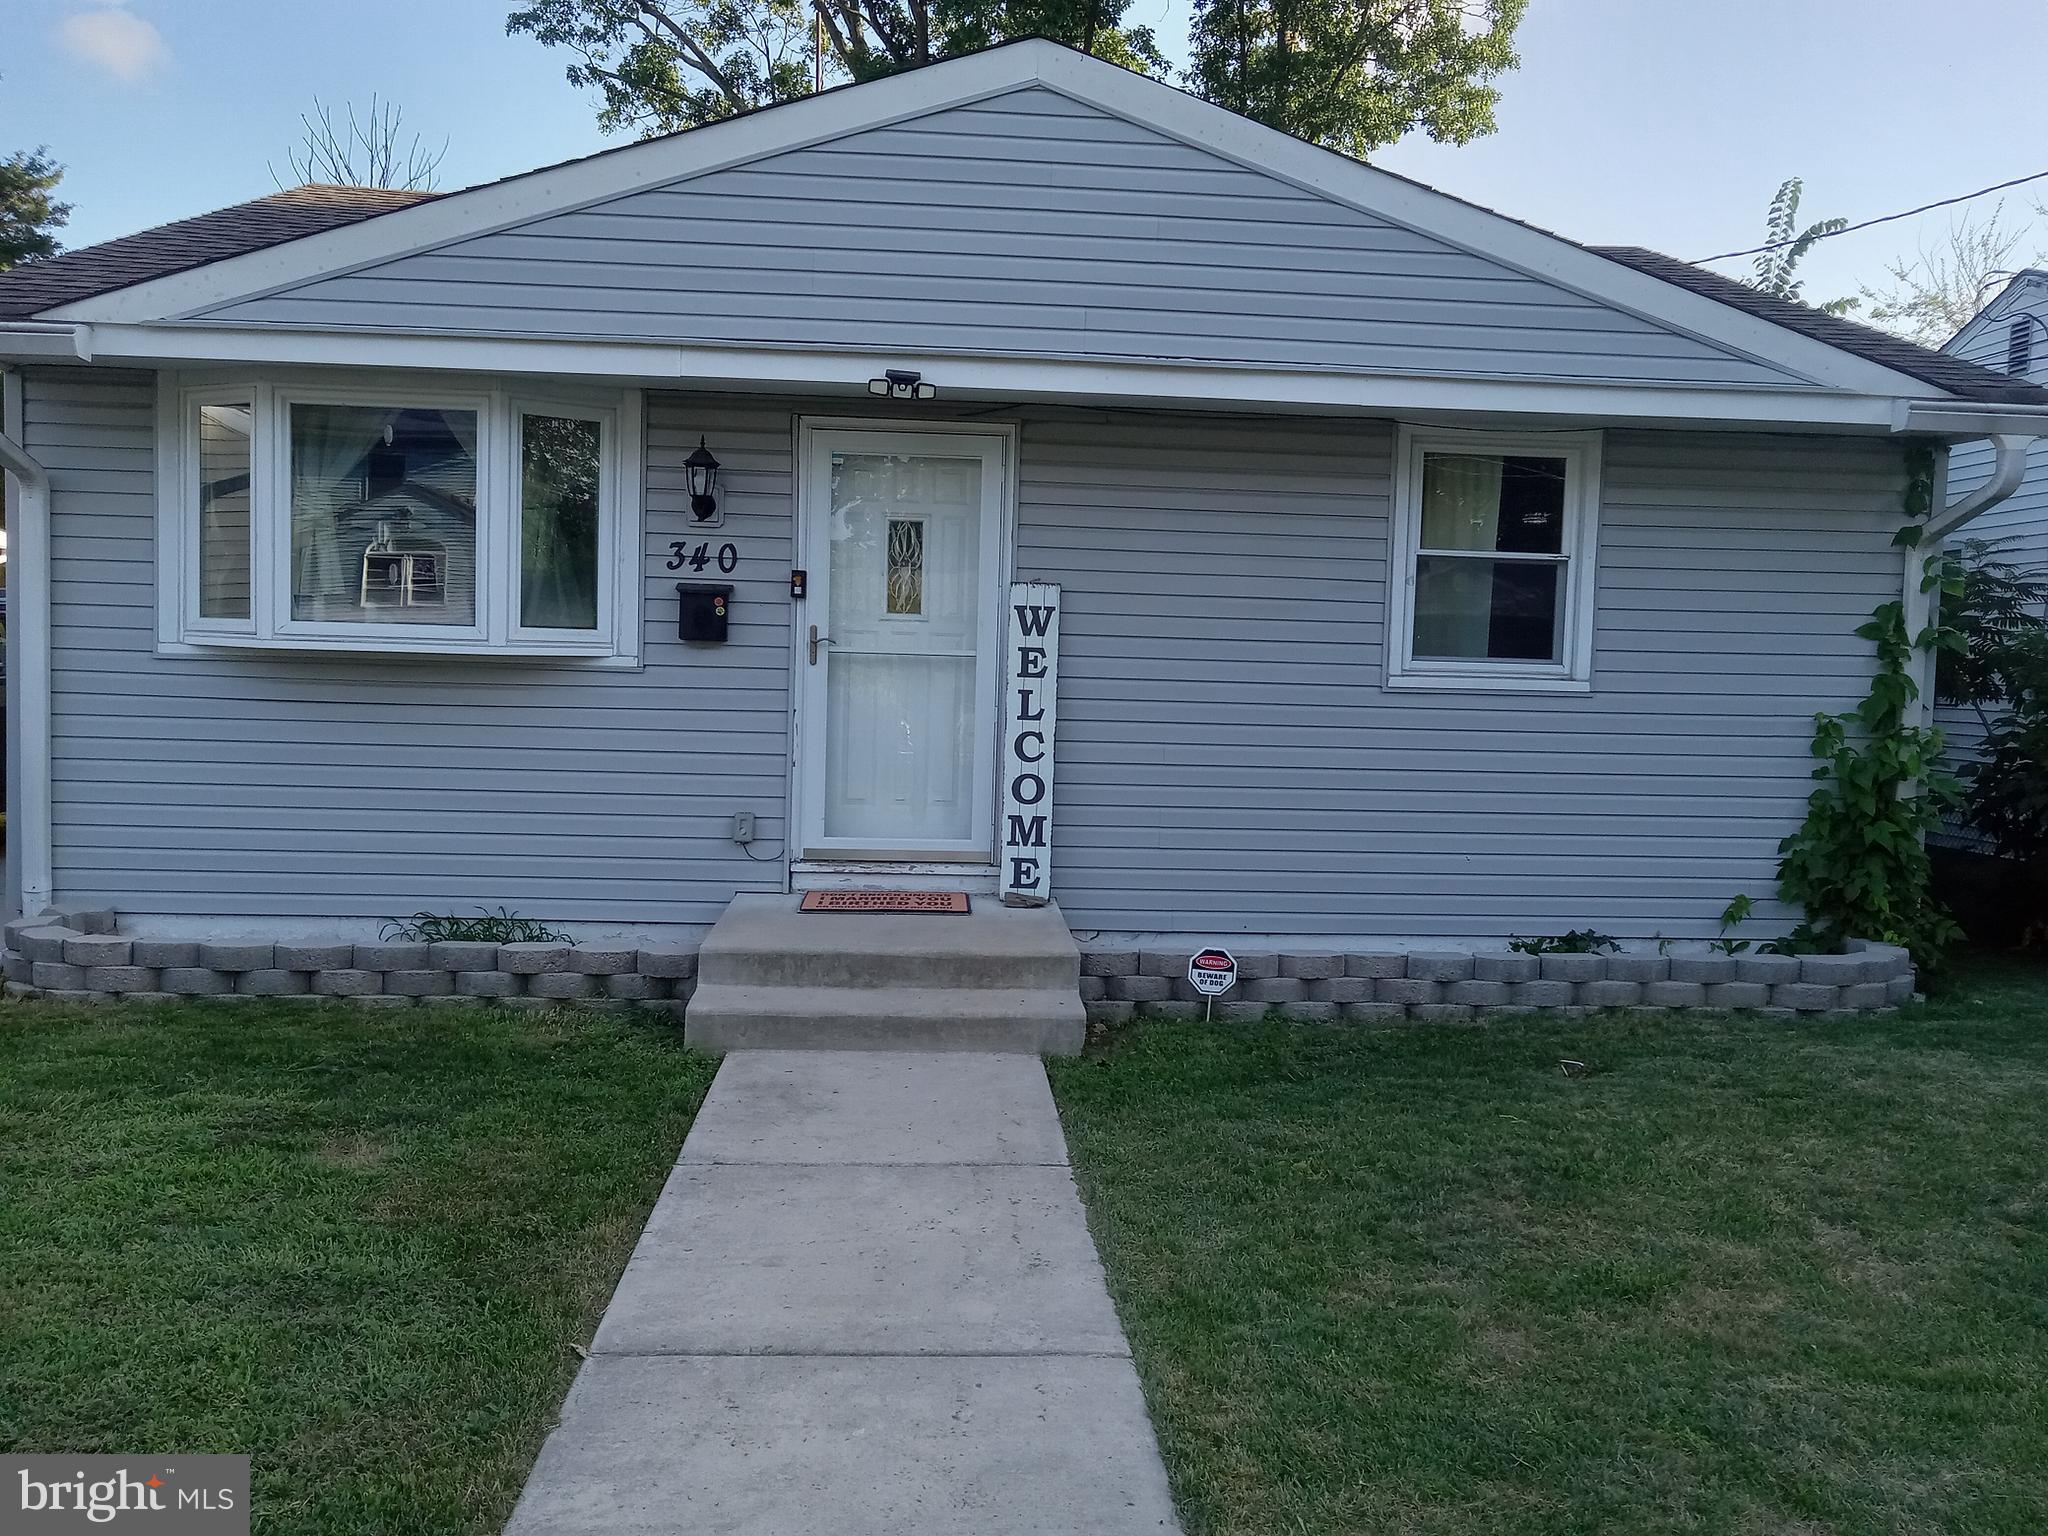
<point x="1212" y="972"/>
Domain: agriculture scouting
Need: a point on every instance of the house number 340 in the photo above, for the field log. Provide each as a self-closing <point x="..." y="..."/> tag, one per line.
<point x="681" y="554"/>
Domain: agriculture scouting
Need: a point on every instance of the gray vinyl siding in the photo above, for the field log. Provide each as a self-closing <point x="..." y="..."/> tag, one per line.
<point x="1028" y="224"/>
<point x="1228" y="758"/>
<point x="335" y="786"/>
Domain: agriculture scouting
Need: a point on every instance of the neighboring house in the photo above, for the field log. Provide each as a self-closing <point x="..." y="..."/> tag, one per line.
<point x="2009" y="334"/>
<point x="1423" y="573"/>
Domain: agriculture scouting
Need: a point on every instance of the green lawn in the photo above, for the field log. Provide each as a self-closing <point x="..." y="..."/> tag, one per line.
<point x="1738" y="1276"/>
<point x="363" y="1246"/>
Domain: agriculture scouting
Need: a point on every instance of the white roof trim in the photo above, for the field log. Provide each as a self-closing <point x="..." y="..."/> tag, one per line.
<point x="975" y="77"/>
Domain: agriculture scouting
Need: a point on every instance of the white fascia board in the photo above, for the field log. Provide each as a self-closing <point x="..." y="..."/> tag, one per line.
<point x="955" y="82"/>
<point x="1097" y="382"/>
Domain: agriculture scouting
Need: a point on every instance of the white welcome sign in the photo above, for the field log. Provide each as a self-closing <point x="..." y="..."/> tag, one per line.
<point x="1031" y="669"/>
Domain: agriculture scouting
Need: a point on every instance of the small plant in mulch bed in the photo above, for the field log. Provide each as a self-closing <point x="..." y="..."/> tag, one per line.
<point x="487" y="927"/>
<point x="1580" y="941"/>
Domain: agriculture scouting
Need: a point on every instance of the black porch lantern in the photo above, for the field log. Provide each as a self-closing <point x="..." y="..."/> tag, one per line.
<point x="702" y="469"/>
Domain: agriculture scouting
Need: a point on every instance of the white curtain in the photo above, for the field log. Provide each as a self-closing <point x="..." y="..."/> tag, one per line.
<point x="1454" y="597"/>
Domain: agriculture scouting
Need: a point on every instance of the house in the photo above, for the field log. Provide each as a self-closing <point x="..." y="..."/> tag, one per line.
<point x="1422" y="576"/>
<point x="2010" y="334"/>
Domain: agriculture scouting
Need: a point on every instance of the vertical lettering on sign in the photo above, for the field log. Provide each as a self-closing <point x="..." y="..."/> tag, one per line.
<point x="1031" y="669"/>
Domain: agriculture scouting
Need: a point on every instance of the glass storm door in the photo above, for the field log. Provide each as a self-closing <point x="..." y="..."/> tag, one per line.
<point x="896" y="644"/>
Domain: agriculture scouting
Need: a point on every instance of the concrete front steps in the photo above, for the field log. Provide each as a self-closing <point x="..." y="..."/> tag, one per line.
<point x="999" y="979"/>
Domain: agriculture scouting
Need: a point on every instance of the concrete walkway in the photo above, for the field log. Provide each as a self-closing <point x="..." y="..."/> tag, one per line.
<point x="866" y="1304"/>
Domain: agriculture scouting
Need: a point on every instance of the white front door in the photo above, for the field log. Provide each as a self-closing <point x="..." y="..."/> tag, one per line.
<point x="901" y="536"/>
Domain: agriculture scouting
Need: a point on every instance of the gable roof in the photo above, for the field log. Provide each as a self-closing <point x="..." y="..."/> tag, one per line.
<point x="195" y="267"/>
<point x="91" y="270"/>
<point x="1966" y="381"/>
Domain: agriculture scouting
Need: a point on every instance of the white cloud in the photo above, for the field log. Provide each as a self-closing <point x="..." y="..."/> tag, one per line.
<point x="116" y="39"/>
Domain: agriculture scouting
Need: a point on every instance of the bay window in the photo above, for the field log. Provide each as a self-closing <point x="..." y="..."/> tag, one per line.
<point x="407" y="517"/>
<point x="1492" y="579"/>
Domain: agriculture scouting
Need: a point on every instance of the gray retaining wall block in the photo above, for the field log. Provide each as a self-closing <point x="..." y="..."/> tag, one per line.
<point x="163" y="953"/>
<point x="1708" y="970"/>
<point x="430" y="983"/>
<point x="1572" y="967"/>
<point x="533" y="959"/>
<point x="1170" y="1009"/>
<point x="1768" y="969"/>
<point x="1804" y="996"/>
<point x="313" y="957"/>
<point x="390" y="957"/>
<point x="487" y="984"/>
<point x="1675" y="994"/>
<point x="1141" y="988"/>
<point x="98" y="950"/>
<point x="1374" y="1013"/>
<point x="1855" y="997"/>
<point x="45" y="943"/>
<point x="1609" y="994"/>
<point x="1104" y="962"/>
<point x="15" y="967"/>
<point x="1162" y="962"/>
<point x="1506" y="965"/>
<point x="1439" y="965"/>
<point x="1478" y="994"/>
<point x="562" y="985"/>
<point x="55" y="975"/>
<point x="1637" y="967"/>
<point x="462" y="955"/>
<point x="1312" y="967"/>
<point x="236" y="957"/>
<point x="604" y="962"/>
<point x="1249" y="967"/>
<point x="1244" y="1012"/>
<point x="1899" y="990"/>
<point x="1108" y="1012"/>
<point x="270" y="983"/>
<point x="1376" y="965"/>
<point x="1341" y="989"/>
<point x="674" y="964"/>
<point x="194" y="981"/>
<point x="1094" y="988"/>
<point x="1831" y="970"/>
<point x="1275" y="989"/>
<point x="348" y="983"/>
<point x="1410" y="991"/>
<point x="1738" y="994"/>
<point x="632" y="987"/>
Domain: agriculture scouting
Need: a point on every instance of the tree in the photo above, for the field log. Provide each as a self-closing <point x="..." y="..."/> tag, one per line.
<point x="1786" y="246"/>
<point x="1937" y="291"/>
<point x="361" y="152"/>
<point x="661" y="65"/>
<point x="28" y="215"/>
<point x="1352" y="75"/>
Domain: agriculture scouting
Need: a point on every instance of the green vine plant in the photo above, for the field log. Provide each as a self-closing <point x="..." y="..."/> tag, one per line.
<point x="487" y="927"/>
<point x="1857" y="866"/>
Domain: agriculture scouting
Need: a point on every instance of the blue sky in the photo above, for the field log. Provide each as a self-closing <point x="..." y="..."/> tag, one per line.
<point x="1641" y="121"/>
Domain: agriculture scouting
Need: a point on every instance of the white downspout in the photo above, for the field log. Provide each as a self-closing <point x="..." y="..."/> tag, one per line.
<point x="28" y="637"/>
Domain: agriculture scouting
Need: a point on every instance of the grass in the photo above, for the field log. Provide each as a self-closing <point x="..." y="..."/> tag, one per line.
<point x="361" y="1246"/>
<point x="1738" y="1276"/>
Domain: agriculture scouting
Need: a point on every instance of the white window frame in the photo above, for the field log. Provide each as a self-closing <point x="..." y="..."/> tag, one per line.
<point x="497" y="630"/>
<point x="1573" y="671"/>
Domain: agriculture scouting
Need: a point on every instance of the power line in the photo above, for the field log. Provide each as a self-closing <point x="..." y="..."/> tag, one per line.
<point x="1850" y="229"/>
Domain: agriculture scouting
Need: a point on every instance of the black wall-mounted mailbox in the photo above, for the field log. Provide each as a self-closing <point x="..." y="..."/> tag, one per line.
<point x="702" y="612"/>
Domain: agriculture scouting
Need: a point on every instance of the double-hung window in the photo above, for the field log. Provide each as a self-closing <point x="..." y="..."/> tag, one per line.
<point x="408" y="517"/>
<point x="1492" y="579"/>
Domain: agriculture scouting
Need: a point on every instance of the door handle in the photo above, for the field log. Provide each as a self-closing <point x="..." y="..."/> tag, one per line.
<point x="816" y="641"/>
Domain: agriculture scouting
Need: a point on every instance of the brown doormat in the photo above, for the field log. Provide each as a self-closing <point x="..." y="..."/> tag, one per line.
<point x="946" y="903"/>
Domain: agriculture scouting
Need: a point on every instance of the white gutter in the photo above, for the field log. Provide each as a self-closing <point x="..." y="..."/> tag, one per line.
<point x="2008" y="468"/>
<point x="28" y="644"/>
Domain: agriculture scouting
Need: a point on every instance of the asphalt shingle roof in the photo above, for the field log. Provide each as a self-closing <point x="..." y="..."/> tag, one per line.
<point x="1966" y="381"/>
<point x="35" y="286"/>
